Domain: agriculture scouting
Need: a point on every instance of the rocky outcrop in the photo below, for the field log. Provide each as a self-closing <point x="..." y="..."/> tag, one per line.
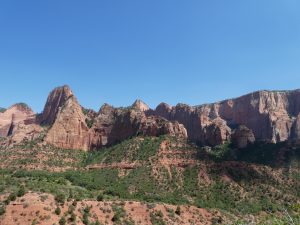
<point x="296" y="129"/>
<point x="25" y="132"/>
<point x="18" y="123"/>
<point x="69" y="129"/>
<point x="12" y="116"/>
<point x="140" y="105"/>
<point x="114" y="125"/>
<point x="77" y="128"/>
<point x="269" y="114"/>
<point x="217" y="133"/>
<point x="242" y="137"/>
<point x="156" y="126"/>
<point x="55" y="101"/>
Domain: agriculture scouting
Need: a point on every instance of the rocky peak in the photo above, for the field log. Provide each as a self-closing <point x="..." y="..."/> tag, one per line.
<point x="106" y="108"/>
<point x="20" y="107"/>
<point x="69" y="129"/>
<point x="140" y="105"/>
<point x="16" y="120"/>
<point x="163" y="110"/>
<point x="56" y="99"/>
<point x="270" y="116"/>
<point x="16" y="113"/>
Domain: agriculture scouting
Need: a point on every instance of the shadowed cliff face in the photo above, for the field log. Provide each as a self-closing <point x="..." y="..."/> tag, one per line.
<point x="271" y="116"/>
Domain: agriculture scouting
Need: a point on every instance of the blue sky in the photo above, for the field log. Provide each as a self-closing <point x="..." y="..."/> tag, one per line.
<point x="174" y="51"/>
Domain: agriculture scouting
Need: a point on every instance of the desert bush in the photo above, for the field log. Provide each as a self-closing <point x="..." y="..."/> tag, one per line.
<point x="21" y="191"/>
<point x="62" y="221"/>
<point x="57" y="211"/>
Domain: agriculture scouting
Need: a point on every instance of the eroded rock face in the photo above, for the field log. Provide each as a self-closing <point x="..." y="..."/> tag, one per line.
<point x="296" y="129"/>
<point x="269" y="114"/>
<point x="242" y="137"/>
<point x="156" y="126"/>
<point x="114" y="125"/>
<point x="55" y="101"/>
<point x="69" y="129"/>
<point x="217" y="133"/>
<point x="77" y="128"/>
<point x="140" y="105"/>
<point x="25" y="132"/>
<point x="12" y="116"/>
<point x="19" y="124"/>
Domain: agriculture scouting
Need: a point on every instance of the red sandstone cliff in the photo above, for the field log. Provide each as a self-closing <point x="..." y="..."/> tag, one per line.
<point x="74" y="127"/>
<point x="18" y="123"/>
<point x="270" y="116"/>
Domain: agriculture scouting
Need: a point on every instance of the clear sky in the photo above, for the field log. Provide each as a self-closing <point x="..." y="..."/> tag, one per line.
<point x="115" y="51"/>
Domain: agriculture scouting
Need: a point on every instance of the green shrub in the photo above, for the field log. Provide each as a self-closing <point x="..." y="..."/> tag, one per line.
<point x="2" y="211"/>
<point x="57" y="211"/>
<point x="178" y="211"/>
<point x="86" y="215"/>
<point x="21" y="191"/>
<point x="97" y="222"/>
<point x="73" y="217"/>
<point x="62" y="221"/>
<point x="60" y="198"/>
<point x="100" y="198"/>
<point x="12" y="197"/>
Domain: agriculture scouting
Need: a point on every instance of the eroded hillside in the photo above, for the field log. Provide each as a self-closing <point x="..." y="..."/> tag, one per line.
<point x="256" y="183"/>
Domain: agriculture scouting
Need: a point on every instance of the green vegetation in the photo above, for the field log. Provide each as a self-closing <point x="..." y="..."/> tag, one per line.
<point x="130" y="150"/>
<point x="156" y="218"/>
<point x="23" y="105"/>
<point x="215" y="182"/>
<point x="2" y="210"/>
<point x="119" y="214"/>
<point x="62" y="221"/>
<point x="100" y="198"/>
<point x="21" y="191"/>
<point x="57" y="211"/>
<point x="178" y="211"/>
<point x="258" y="153"/>
<point x="86" y="215"/>
<point x="89" y="122"/>
<point x="2" y="110"/>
